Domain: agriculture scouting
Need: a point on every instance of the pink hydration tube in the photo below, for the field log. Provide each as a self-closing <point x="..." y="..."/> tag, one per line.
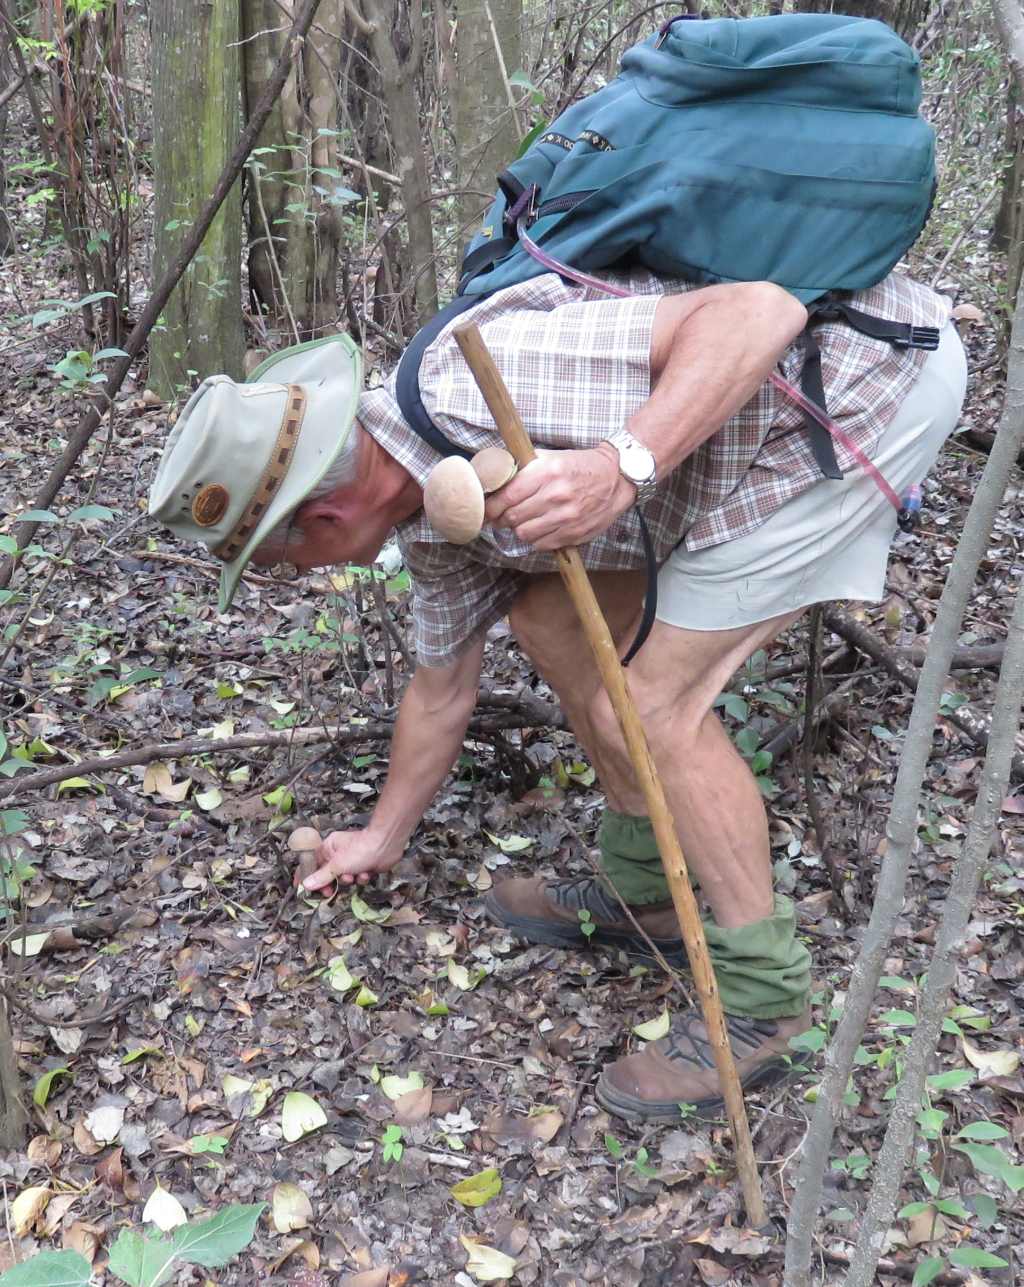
<point x="788" y="390"/>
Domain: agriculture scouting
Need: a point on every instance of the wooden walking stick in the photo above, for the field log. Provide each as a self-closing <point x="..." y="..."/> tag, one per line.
<point x="570" y="565"/>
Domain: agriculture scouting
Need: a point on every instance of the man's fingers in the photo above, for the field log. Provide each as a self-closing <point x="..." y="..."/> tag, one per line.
<point x="319" y="879"/>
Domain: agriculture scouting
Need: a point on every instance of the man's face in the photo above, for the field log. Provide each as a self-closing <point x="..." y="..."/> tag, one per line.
<point x="334" y="530"/>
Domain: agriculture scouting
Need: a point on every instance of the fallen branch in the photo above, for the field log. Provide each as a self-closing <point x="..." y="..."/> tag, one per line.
<point x="975" y="726"/>
<point x="529" y="713"/>
<point x="156" y="303"/>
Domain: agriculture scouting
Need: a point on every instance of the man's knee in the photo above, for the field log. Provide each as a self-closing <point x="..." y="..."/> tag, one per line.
<point x="675" y="707"/>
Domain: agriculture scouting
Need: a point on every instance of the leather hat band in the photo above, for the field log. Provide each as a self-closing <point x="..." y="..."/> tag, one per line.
<point x="271" y="478"/>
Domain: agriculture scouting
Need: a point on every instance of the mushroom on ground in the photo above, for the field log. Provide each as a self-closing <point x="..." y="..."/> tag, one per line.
<point x="454" y="500"/>
<point x="495" y="467"/>
<point x="305" y="841"/>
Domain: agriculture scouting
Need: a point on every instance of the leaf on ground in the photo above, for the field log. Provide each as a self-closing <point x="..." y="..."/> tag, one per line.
<point x="487" y="1264"/>
<point x="49" y="1269"/>
<point x="164" y="1210"/>
<point x="104" y="1123"/>
<point x="290" y="1208"/>
<point x="362" y="911"/>
<point x="513" y="845"/>
<point x="654" y="1028"/>
<point x="395" y="1087"/>
<point x="992" y="1063"/>
<point x="41" y="1092"/>
<point x="28" y="945"/>
<point x="300" y="1114"/>
<point x="338" y="975"/>
<point x="140" y="1261"/>
<point x="413" y="1107"/>
<point x="925" y="1226"/>
<point x="476" y="1190"/>
<point x="246" y="1098"/>
<point x="27" y="1207"/>
<point x="212" y="1243"/>
<point x="513" y="1128"/>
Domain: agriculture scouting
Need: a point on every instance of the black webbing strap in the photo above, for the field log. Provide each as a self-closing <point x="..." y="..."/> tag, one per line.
<point x="812" y="386"/>
<point x="830" y="308"/>
<point x="484" y="257"/>
<point x="650" y="595"/>
<point x="407" y="379"/>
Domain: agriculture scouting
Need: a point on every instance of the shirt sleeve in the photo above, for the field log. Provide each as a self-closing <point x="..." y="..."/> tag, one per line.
<point x="452" y="606"/>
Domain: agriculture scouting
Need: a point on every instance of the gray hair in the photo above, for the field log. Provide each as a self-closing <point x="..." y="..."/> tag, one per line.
<point x="342" y="470"/>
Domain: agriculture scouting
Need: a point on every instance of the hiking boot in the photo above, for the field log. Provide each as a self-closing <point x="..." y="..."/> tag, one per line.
<point x="680" y="1068"/>
<point x="548" y="911"/>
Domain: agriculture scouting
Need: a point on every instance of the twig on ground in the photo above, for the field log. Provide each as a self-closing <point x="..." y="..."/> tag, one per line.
<point x="975" y="726"/>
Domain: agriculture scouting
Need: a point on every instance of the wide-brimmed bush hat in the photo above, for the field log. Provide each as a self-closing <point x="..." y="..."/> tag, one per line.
<point x="241" y="457"/>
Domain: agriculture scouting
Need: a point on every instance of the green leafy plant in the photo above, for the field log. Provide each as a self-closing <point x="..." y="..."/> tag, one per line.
<point x="144" y="1260"/>
<point x="587" y="926"/>
<point x="392" y="1142"/>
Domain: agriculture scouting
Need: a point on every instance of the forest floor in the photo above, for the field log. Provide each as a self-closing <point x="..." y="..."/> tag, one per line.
<point x="161" y="1043"/>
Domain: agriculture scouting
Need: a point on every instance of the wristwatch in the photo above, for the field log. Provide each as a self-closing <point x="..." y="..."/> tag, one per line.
<point x="636" y="463"/>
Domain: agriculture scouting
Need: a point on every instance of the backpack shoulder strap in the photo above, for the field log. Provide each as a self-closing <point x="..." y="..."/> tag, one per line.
<point x="407" y="379"/>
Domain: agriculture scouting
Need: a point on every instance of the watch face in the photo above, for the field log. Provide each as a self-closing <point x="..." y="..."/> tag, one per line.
<point x="637" y="462"/>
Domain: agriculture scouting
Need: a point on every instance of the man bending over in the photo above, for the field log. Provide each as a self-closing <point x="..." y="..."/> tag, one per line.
<point x="657" y="402"/>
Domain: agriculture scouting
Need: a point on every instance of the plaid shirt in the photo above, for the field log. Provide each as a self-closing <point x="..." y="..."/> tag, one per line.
<point x="577" y="362"/>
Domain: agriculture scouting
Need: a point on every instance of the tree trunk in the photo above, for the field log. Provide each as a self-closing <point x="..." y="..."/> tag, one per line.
<point x="1008" y="231"/>
<point x="195" y="126"/>
<point x="488" y="47"/>
<point x="904" y="16"/>
<point x="398" y="50"/>
<point x="292" y="192"/>
<point x="13" y="1117"/>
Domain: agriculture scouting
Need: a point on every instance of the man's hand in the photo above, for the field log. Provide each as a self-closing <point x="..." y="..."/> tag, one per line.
<point x="563" y="498"/>
<point x="351" y="857"/>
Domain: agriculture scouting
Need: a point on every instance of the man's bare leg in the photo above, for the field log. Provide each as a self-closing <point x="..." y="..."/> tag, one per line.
<point x="715" y="801"/>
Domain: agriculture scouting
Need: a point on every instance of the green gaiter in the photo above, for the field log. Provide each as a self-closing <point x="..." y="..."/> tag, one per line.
<point x="630" y="858"/>
<point x="763" y="970"/>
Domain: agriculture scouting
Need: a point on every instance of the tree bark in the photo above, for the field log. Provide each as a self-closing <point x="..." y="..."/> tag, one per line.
<point x="398" y="51"/>
<point x="13" y="1116"/>
<point x="906" y="17"/>
<point x="195" y="127"/>
<point x="488" y="49"/>
<point x="297" y="202"/>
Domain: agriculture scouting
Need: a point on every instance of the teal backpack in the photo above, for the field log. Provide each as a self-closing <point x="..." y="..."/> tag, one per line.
<point x="785" y="149"/>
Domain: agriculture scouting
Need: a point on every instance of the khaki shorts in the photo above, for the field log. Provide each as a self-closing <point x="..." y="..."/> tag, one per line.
<point x="831" y="542"/>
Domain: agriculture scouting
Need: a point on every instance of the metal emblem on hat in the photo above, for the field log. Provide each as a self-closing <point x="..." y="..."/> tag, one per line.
<point x="209" y="506"/>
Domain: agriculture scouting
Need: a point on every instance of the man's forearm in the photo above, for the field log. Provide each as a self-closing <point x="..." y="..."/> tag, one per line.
<point x="710" y="363"/>
<point x="427" y="739"/>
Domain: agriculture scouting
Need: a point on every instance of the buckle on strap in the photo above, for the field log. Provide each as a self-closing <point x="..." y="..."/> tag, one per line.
<point x="920" y="337"/>
<point x="525" y="207"/>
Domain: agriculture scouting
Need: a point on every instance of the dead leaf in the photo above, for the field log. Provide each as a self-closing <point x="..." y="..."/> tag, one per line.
<point x="104" y="1123"/>
<point x="302" y="1247"/>
<point x="111" y="1170"/>
<point x="368" y="1278"/>
<point x="513" y="1128"/>
<point x="413" y="1107"/>
<point x="84" y="1141"/>
<point x="83" y="1238"/>
<point x="487" y="1264"/>
<point x="739" y="1242"/>
<point x="995" y="1063"/>
<point x="713" y="1273"/>
<point x="27" y="1207"/>
<point x="290" y="1208"/>
<point x="927" y="1226"/>
<point x="43" y="1151"/>
<point x="57" y="1209"/>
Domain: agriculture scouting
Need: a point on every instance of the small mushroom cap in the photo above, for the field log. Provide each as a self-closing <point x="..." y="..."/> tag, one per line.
<point x="454" y="500"/>
<point x="495" y="467"/>
<point x="303" y="839"/>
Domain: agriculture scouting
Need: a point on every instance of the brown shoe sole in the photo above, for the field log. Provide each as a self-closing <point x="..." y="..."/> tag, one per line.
<point x="633" y="1109"/>
<point x="536" y="929"/>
